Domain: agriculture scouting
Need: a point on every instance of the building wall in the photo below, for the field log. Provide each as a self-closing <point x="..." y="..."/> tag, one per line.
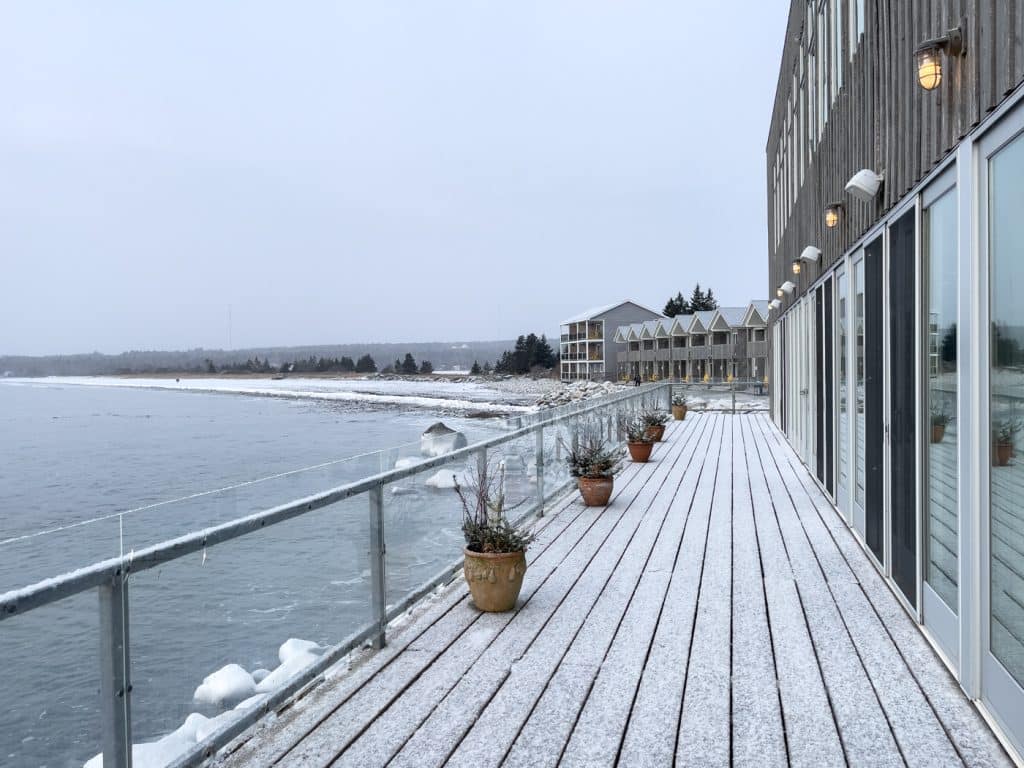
<point x="879" y="118"/>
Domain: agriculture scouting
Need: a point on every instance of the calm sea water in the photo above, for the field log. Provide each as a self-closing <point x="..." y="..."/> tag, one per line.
<point x="71" y="455"/>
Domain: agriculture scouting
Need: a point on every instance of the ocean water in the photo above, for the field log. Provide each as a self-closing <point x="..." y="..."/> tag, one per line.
<point x="86" y="473"/>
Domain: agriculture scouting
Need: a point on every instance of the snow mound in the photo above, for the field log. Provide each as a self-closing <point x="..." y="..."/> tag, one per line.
<point x="444" y="479"/>
<point x="295" y="655"/>
<point x="229" y="683"/>
<point x="156" y="754"/>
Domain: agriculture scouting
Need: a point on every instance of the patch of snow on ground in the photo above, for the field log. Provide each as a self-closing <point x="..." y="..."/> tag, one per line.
<point x="229" y="683"/>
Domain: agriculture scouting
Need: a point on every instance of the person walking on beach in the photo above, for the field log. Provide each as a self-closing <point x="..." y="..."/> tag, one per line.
<point x="636" y="380"/>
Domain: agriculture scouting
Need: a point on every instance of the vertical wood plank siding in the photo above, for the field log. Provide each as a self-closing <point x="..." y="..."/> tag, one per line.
<point x="882" y="119"/>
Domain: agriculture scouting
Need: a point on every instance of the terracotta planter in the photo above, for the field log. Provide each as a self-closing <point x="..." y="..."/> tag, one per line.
<point x="494" y="579"/>
<point x="1001" y="453"/>
<point x="656" y="433"/>
<point x="596" y="491"/>
<point x="640" y="452"/>
<point x="678" y="412"/>
<point x="938" y="431"/>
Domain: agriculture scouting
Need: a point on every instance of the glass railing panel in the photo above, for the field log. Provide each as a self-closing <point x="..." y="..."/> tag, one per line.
<point x="216" y="631"/>
<point x="50" y="713"/>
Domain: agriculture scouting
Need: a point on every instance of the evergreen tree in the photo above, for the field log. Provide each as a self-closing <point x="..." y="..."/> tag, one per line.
<point x="710" y="302"/>
<point x="543" y="354"/>
<point x="475" y="370"/>
<point x="365" y="364"/>
<point x="701" y="301"/>
<point x="426" y="367"/>
<point x="677" y="306"/>
<point x="408" y="365"/>
<point x="346" y="365"/>
<point x="487" y="368"/>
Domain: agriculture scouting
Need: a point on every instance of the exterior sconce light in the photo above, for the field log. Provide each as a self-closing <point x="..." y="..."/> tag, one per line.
<point x="864" y="185"/>
<point x="774" y="304"/>
<point x="787" y="287"/>
<point x="810" y="253"/>
<point x="832" y="211"/>
<point x="929" y="57"/>
<point x="796" y="266"/>
<point x="778" y="294"/>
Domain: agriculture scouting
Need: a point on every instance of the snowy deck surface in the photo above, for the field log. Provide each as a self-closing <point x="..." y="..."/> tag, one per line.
<point x="717" y="611"/>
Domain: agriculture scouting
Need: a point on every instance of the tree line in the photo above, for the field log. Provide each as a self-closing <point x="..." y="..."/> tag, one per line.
<point x="699" y="301"/>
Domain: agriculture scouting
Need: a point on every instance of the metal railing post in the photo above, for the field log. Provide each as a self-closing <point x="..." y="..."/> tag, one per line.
<point x="115" y="674"/>
<point x="378" y="580"/>
<point x="538" y="460"/>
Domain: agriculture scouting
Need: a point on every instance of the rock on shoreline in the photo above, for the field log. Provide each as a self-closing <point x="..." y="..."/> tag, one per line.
<point x="578" y="390"/>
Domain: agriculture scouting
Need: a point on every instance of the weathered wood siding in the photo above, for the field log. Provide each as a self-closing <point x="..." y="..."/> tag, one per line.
<point x="883" y="120"/>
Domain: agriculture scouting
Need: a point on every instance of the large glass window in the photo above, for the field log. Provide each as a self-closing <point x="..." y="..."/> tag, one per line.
<point x="859" y="391"/>
<point x="939" y="251"/>
<point x="1006" y="253"/>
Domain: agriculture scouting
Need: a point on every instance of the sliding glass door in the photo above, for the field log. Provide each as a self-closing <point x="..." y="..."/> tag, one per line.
<point x="843" y="402"/>
<point x="1002" y="218"/>
<point x="940" y="417"/>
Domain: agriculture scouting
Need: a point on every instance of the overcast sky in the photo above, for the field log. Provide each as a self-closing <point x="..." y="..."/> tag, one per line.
<point x="373" y="171"/>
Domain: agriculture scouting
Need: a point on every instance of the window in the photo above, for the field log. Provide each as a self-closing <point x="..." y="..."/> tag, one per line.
<point x="856" y="25"/>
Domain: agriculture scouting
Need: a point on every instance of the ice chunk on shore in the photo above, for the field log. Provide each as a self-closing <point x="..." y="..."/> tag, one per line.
<point x="167" y="749"/>
<point x="229" y="683"/>
<point x="439" y="439"/>
<point x="444" y="479"/>
<point x="295" y="655"/>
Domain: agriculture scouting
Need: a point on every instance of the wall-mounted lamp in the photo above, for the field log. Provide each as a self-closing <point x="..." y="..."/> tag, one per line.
<point x="832" y="211"/>
<point x="778" y="294"/>
<point x="774" y="304"/>
<point x="787" y="287"/>
<point x="810" y="253"/>
<point x="796" y="266"/>
<point x="929" y="57"/>
<point x="864" y="185"/>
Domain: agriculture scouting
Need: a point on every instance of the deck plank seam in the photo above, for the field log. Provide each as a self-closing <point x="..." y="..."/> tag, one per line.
<point x="764" y="597"/>
<point x="693" y="620"/>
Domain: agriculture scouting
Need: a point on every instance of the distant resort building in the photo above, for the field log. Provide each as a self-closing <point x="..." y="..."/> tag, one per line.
<point x="715" y="345"/>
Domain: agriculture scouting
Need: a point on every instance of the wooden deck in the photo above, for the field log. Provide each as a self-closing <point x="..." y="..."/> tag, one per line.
<point x="717" y="612"/>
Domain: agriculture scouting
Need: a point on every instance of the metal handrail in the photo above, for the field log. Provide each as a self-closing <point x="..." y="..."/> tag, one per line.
<point x="110" y="578"/>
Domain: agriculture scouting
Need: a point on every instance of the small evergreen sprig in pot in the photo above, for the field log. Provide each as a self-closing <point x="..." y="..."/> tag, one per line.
<point x="484" y="523"/>
<point x="655" y="418"/>
<point x="679" y="400"/>
<point x="636" y="431"/>
<point x="593" y="457"/>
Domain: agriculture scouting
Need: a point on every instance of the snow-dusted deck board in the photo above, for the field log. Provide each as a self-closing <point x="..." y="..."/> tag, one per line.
<point x="515" y="658"/>
<point x="604" y="711"/>
<point x="630" y="603"/>
<point x="557" y="532"/>
<point x="757" y="733"/>
<point x="974" y="742"/>
<point x="550" y="581"/>
<point x="619" y="652"/>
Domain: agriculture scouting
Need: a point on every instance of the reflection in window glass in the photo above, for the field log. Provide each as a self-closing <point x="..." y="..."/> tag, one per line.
<point x="939" y="249"/>
<point x="844" y="424"/>
<point x="858" y="329"/>
<point x="1006" y="251"/>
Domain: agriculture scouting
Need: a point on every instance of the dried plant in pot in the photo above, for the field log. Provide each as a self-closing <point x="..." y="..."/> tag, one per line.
<point x="679" y="407"/>
<point x="639" y="440"/>
<point x="593" y="463"/>
<point x="940" y="419"/>
<point x="495" y="554"/>
<point x="655" y="422"/>
<point x="1003" y="434"/>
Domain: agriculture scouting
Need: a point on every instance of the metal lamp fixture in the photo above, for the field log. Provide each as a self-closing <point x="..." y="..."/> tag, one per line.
<point x="787" y="287"/>
<point x="774" y="304"/>
<point x="864" y="184"/>
<point x="929" y="57"/>
<point x="778" y="293"/>
<point x="796" y="266"/>
<point x="810" y="253"/>
<point x="832" y="211"/>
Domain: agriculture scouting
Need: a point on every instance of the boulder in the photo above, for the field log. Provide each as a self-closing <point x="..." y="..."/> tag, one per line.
<point x="438" y="440"/>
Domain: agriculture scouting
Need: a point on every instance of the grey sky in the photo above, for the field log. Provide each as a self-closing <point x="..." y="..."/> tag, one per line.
<point x="373" y="171"/>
